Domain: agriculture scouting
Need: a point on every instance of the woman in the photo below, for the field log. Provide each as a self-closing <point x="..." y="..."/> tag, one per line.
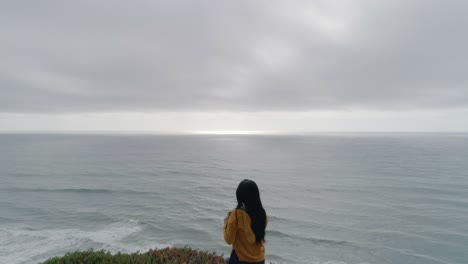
<point x="244" y="227"/>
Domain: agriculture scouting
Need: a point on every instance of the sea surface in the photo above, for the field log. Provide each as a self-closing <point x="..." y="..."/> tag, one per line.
<point x="331" y="198"/>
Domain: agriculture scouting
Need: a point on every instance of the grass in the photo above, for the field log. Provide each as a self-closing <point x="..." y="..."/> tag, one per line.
<point x="168" y="255"/>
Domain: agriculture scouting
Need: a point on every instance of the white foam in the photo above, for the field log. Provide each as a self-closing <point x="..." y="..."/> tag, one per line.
<point x="23" y="245"/>
<point x="314" y="261"/>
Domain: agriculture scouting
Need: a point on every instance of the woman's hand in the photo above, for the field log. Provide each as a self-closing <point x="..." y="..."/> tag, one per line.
<point x="226" y="218"/>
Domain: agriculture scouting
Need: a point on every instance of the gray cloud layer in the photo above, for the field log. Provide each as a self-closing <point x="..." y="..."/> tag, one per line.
<point x="80" y="56"/>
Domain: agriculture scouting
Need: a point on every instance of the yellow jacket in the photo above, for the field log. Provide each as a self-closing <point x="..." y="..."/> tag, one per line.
<point x="237" y="232"/>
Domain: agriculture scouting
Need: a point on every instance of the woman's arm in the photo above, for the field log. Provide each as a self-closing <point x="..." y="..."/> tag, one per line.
<point x="230" y="228"/>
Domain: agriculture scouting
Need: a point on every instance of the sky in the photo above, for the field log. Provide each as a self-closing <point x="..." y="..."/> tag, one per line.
<point x="234" y="66"/>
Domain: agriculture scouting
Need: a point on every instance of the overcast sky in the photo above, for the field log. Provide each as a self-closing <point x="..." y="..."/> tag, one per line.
<point x="280" y="66"/>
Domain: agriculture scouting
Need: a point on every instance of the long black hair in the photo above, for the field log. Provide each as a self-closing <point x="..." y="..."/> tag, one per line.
<point x="248" y="198"/>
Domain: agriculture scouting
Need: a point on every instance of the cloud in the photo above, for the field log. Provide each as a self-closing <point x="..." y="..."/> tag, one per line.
<point x="105" y="56"/>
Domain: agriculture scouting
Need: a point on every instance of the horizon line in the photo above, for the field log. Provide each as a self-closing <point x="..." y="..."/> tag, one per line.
<point x="221" y="132"/>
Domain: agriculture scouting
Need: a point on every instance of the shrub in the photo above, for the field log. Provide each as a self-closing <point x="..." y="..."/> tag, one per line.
<point x="168" y="255"/>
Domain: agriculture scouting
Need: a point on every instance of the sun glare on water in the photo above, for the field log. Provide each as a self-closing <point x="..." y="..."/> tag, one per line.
<point x="231" y="132"/>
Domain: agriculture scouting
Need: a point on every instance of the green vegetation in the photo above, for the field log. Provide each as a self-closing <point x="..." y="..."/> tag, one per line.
<point x="167" y="255"/>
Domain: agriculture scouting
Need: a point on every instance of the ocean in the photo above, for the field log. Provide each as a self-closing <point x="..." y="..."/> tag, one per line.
<point x="347" y="198"/>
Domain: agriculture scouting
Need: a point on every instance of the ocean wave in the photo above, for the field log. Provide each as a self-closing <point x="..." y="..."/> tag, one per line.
<point x="280" y="234"/>
<point x="75" y="190"/>
<point x="29" y="245"/>
<point x="274" y="258"/>
<point x="291" y="220"/>
<point x="277" y="259"/>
